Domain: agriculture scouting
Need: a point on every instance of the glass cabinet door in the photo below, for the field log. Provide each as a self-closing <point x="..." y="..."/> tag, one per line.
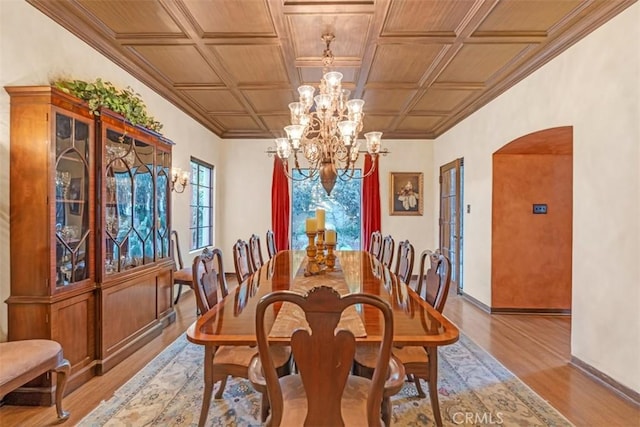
<point x="129" y="212"/>
<point x="72" y="154"/>
<point x="162" y="201"/>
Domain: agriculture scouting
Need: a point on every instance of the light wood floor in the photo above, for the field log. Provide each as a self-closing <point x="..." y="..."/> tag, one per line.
<point x="535" y="348"/>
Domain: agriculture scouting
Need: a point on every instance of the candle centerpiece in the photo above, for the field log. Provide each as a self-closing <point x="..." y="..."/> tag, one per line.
<point x="331" y="245"/>
<point x="320" y="236"/>
<point x="311" y="230"/>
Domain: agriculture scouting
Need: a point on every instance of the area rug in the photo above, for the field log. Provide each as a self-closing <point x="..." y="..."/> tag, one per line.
<point x="474" y="389"/>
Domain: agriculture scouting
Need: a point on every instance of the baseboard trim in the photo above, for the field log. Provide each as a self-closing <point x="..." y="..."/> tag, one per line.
<point x="554" y="311"/>
<point x="621" y="389"/>
<point x="482" y="306"/>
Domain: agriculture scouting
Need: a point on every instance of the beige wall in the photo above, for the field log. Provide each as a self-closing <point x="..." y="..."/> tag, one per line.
<point x="594" y="87"/>
<point x="35" y="50"/>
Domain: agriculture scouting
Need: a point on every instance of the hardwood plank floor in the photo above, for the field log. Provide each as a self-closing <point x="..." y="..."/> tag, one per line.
<point x="535" y="348"/>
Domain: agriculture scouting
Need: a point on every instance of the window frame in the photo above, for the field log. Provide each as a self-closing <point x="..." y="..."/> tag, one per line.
<point x="196" y="164"/>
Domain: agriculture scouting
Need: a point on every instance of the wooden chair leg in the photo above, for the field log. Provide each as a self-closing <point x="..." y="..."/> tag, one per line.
<point x="208" y="384"/>
<point x="433" y="384"/>
<point x="386" y="411"/>
<point x="223" y="384"/>
<point x="264" y="408"/>
<point x="416" y="381"/>
<point x="179" y="293"/>
<point x="62" y="374"/>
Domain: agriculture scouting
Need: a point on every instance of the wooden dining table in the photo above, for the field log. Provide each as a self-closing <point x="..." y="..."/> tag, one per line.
<point x="416" y="323"/>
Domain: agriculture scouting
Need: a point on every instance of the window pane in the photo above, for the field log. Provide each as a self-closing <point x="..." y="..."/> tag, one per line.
<point x="201" y="201"/>
<point x="342" y="210"/>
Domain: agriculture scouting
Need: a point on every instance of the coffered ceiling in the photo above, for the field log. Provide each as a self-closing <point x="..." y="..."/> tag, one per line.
<point x="420" y="65"/>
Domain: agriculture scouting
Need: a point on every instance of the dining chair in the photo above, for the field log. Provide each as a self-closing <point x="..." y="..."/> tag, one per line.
<point x="227" y="360"/>
<point x="404" y="261"/>
<point x="271" y="244"/>
<point x="255" y="252"/>
<point x="433" y="287"/>
<point x="375" y="244"/>
<point x="323" y="391"/>
<point x="241" y="260"/>
<point x="386" y="254"/>
<point x="182" y="275"/>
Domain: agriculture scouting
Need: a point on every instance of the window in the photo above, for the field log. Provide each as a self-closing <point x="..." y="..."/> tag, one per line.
<point x="201" y="204"/>
<point x="342" y="208"/>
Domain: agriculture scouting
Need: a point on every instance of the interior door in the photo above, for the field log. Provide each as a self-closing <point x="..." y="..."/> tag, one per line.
<point x="451" y="227"/>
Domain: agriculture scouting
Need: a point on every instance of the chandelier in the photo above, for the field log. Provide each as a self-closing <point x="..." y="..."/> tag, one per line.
<point x="324" y="131"/>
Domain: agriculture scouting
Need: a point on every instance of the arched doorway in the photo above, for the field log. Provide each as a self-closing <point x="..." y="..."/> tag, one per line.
<point x="531" y="245"/>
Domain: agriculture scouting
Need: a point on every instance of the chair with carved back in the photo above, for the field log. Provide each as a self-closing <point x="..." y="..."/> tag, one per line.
<point x="375" y="244"/>
<point x="386" y="254"/>
<point x="241" y="260"/>
<point x="182" y="275"/>
<point x="419" y="362"/>
<point x="255" y="252"/>
<point x="404" y="261"/>
<point x="271" y="244"/>
<point x="227" y="361"/>
<point x="323" y="391"/>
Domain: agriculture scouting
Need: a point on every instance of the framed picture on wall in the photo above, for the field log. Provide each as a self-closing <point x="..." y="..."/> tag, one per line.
<point x="405" y="193"/>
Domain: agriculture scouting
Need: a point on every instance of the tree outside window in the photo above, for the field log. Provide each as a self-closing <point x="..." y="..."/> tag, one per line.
<point x="343" y="210"/>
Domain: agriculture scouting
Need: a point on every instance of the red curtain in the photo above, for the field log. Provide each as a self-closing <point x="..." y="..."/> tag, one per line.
<point x="370" y="202"/>
<point x="280" y="205"/>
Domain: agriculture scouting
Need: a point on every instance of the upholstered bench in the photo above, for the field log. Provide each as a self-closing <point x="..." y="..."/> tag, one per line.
<point x="23" y="361"/>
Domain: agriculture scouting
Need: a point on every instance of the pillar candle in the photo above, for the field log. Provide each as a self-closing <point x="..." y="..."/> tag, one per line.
<point x="320" y="218"/>
<point x="330" y="236"/>
<point x="312" y="226"/>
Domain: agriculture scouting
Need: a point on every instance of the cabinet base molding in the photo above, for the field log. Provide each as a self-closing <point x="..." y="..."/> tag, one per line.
<point x="106" y="364"/>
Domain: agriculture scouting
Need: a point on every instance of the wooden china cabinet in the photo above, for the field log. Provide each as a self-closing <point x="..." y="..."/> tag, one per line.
<point x="134" y="267"/>
<point x="90" y="225"/>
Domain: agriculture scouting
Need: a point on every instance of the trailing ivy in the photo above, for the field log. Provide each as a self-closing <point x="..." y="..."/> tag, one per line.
<point x="104" y="94"/>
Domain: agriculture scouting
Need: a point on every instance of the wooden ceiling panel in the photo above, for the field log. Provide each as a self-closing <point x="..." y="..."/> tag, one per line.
<point x="419" y="123"/>
<point x="313" y="75"/>
<point x="443" y="100"/>
<point x="375" y="122"/>
<point x="215" y="101"/>
<point x="404" y="63"/>
<point x="479" y="62"/>
<point x="526" y="16"/>
<point x="127" y="18"/>
<point x="226" y="17"/>
<point x="422" y="66"/>
<point x="386" y="100"/>
<point x="270" y="101"/>
<point x="239" y="123"/>
<point x="170" y="60"/>
<point x="411" y="17"/>
<point x="350" y="31"/>
<point x="276" y="124"/>
<point x="253" y="64"/>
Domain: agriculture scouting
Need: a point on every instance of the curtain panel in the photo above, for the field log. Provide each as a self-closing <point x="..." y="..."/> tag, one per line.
<point x="280" y="209"/>
<point x="370" y="201"/>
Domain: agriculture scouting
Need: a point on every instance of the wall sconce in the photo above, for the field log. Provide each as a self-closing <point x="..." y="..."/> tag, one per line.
<point x="179" y="180"/>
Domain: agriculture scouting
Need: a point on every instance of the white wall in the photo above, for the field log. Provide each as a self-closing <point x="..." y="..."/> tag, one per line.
<point x="594" y="87"/>
<point x="35" y="50"/>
